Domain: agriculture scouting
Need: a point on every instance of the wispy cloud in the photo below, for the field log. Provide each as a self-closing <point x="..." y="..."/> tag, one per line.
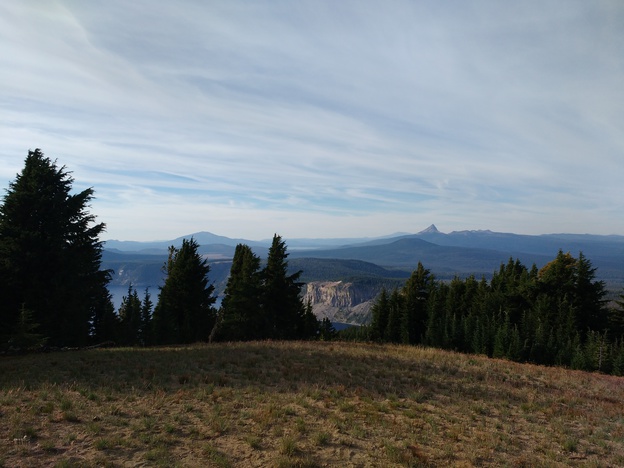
<point x="322" y="118"/>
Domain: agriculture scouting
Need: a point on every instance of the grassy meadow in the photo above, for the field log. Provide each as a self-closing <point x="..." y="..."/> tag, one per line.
<point x="302" y="404"/>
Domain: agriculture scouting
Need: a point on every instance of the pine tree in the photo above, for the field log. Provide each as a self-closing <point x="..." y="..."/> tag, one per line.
<point x="502" y="340"/>
<point x="558" y="276"/>
<point x="516" y="348"/>
<point x="50" y="254"/>
<point x="538" y="352"/>
<point x="327" y="332"/>
<point x="105" y="322"/>
<point x="589" y="298"/>
<point x="564" y="331"/>
<point x="618" y="358"/>
<point x="436" y="313"/>
<point x="130" y="318"/>
<point x="25" y="336"/>
<point x="573" y="280"/>
<point x="282" y="307"/>
<point x="380" y="312"/>
<point x="240" y="314"/>
<point x="416" y="292"/>
<point x="615" y="319"/>
<point x="512" y="289"/>
<point x="311" y="327"/>
<point x="145" y="333"/>
<point x="597" y="350"/>
<point x="392" y="333"/>
<point x="184" y="312"/>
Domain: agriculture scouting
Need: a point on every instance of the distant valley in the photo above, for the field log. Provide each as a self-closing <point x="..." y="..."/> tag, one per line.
<point x="344" y="275"/>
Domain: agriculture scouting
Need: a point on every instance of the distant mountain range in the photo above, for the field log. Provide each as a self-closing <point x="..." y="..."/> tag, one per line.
<point x="382" y="259"/>
<point x="210" y="242"/>
<point x="458" y="252"/>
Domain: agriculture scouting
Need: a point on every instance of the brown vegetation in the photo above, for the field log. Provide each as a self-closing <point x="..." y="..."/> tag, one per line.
<point x="303" y="404"/>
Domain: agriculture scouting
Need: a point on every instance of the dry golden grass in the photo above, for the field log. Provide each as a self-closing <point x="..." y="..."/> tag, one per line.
<point x="303" y="405"/>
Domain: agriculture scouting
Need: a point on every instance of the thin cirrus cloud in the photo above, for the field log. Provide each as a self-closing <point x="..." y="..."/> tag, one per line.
<point x="322" y="119"/>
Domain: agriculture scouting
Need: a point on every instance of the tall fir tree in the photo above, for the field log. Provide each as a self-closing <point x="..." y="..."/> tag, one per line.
<point x="240" y="315"/>
<point x="396" y="328"/>
<point x="105" y="322"/>
<point x="380" y="312"/>
<point x="283" y="310"/>
<point x="50" y="254"/>
<point x="436" y="316"/>
<point x="416" y="293"/>
<point x="130" y="318"/>
<point x="145" y="334"/>
<point x="310" y="328"/>
<point x="184" y="312"/>
<point x="574" y="280"/>
<point x="615" y="318"/>
<point x="24" y="335"/>
<point x="589" y="296"/>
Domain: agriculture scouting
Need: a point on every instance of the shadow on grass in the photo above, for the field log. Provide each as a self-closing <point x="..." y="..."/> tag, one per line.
<point x="363" y="369"/>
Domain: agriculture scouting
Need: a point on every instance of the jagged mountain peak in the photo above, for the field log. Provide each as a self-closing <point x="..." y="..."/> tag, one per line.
<point x="430" y="230"/>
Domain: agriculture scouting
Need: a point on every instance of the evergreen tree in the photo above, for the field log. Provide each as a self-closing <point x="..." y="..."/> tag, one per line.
<point x="557" y="277"/>
<point x="615" y="319"/>
<point x="618" y="358"/>
<point x="282" y="307"/>
<point x="512" y="289"/>
<point x="50" y="254"/>
<point x="380" y="312"/>
<point x="311" y="327"/>
<point x="564" y="331"/>
<point x="416" y="292"/>
<point x="145" y="332"/>
<point x="556" y="281"/>
<point x="393" y="332"/>
<point x="539" y="344"/>
<point x="25" y="336"/>
<point x="597" y="352"/>
<point x="573" y="280"/>
<point x="516" y="348"/>
<point x="105" y="322"/>
<point x="184" y="312"/>
<point x="503" y="338"/>
<point x="130" y="318"/>
<point x="327" y="332"/>
<point x="240" y="314"/>
<point x="589" y="303"/>
<point x="436" y="316"/>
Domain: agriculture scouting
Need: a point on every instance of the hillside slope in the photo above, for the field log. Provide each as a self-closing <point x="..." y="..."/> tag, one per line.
<point x="303" y="404"/>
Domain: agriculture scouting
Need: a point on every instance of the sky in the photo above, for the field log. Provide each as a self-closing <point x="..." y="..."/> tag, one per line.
<point x="319" y="118"/>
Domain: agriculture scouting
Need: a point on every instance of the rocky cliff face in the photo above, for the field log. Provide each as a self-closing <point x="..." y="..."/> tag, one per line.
<point x="339" y="293"/>
<point x="342" y="301"/>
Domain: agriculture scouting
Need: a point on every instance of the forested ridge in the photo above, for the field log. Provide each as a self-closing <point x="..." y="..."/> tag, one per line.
<point x="53" y="293"/>
<point x="556" y="315"/>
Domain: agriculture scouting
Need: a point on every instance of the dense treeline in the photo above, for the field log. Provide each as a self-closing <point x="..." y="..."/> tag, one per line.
<point x="258" y="303"/>
<point x="53" y="292"/>
<point x="556" y="315"/>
